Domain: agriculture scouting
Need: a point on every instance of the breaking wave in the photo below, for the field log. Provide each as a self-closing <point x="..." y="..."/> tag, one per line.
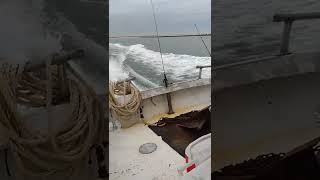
<point x="146" y="66"/>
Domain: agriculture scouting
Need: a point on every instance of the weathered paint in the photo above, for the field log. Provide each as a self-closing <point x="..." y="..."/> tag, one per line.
<point x="186" y="96"/>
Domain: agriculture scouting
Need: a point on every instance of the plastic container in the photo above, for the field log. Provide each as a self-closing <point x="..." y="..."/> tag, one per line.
<point x="198" y="159"/>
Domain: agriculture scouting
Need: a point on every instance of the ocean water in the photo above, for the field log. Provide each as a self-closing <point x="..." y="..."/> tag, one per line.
<point x="244" y="29"/>
<point x="141" y="59"/>
<point x="34" y="29"/>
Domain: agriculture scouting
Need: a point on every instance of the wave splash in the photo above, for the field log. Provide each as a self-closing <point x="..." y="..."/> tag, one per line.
<point x="138" y="60"/>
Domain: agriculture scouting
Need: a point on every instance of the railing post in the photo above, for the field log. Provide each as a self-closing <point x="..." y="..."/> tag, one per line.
<point x="200" y="72"/>
<point x="200" y="69"/>
<point x="169" y="104"/>
<point x="286" y="37"/>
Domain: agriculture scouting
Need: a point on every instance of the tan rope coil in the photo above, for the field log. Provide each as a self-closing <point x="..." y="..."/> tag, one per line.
<point x="128" y="112"/>
<point x="121" y="88"/>
<point x="61" y="151"/>
<point x="31" y="87"/>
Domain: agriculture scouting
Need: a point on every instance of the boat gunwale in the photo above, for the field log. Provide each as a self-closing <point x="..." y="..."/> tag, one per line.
<point x="175" y="87"/>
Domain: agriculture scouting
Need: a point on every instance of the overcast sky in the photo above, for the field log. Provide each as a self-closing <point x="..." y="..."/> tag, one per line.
<point x="127" y="17"/>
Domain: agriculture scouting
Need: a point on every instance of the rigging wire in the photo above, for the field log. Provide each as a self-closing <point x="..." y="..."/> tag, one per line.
<point x="156" y="26"/>
<point x="202" y="39"/>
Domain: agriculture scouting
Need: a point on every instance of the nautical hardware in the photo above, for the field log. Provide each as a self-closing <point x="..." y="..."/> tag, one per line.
<point x="288" y="20"/>
<point x="165" y="80"/>
<point x="200" y="70"/>
<point x="55" y="60"/>
<point x="170" y="111"/>
<point x="147" y="148"/>
<point x="161" y="36"/>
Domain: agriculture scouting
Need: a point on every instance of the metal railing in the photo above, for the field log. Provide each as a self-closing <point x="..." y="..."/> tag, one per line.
<point x="160" y="36"/>
<point x="200" y="69"/>
<point x="14" y="69"/>
<point x="288" y="19"/>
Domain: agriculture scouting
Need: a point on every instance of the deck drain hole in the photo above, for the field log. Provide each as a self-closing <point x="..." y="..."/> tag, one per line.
<point x="147" y="148"/>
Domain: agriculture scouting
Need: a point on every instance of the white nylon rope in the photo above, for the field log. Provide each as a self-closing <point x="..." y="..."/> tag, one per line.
<point x="62" y="151"/>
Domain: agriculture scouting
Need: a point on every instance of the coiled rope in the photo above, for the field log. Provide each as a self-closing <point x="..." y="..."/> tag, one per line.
<point x="60" y="151"/>
<point x="31" y="86"/>
<point x="126" y="112"/>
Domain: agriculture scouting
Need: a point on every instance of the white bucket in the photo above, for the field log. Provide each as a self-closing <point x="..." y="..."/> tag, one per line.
<point x="198" y="159"/>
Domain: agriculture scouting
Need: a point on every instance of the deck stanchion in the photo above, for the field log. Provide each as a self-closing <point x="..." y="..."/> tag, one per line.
<point x="286" y="38"/>
<point x="288" y="19"/>
<point x="200" y="70"/>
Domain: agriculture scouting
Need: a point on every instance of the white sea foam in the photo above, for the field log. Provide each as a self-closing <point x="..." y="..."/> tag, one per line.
<point x="116" y="70"/>
<point x="179" y="66"/>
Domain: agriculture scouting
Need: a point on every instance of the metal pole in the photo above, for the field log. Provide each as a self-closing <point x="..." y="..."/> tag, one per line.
<point x="200" y="72"/>
<point x="58" y="59"/>
<point x="286" y="37"/>
<point x="160" y="36"/>
<point x="169" y="104"/>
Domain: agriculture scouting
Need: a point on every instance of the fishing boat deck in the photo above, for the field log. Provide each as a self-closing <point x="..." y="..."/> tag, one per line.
<point x="125" y="161"/>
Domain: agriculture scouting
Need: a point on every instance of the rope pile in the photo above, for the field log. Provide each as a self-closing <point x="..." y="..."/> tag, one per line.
<point x="31" y="86"/>
<point x="58" y="151"/>
<point x="126" y="112"/>
<point x="122" y="88"/>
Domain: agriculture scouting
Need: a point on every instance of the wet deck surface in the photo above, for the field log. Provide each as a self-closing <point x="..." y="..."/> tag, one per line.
<point x="178" y="137"/>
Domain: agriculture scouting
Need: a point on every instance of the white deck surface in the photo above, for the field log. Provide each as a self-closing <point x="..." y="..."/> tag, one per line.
<point x="126" y="163"/>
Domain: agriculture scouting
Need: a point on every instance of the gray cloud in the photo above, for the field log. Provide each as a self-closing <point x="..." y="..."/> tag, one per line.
<point x="135" y="16"/>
